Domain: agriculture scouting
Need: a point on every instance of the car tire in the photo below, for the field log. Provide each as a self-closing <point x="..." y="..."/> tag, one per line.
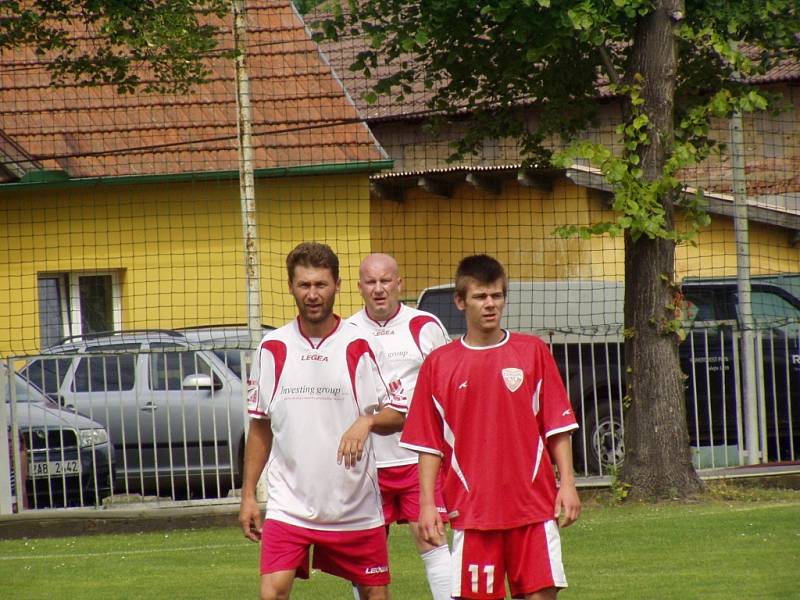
<point x="602" y="435"/>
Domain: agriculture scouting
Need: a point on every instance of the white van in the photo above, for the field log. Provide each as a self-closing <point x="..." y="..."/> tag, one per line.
<point x="559" y="311"/>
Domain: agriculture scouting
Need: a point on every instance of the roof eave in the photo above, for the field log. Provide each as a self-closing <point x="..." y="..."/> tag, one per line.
<point x="53" y="180"/>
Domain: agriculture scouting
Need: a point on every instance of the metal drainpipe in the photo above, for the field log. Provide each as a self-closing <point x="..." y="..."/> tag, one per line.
<point x="744" y="290"/>
<point x="247" y="195"/>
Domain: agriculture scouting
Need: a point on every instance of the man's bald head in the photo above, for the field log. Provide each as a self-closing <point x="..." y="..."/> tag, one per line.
<point x="380" y="285"/>
<point x="379" y="260"/>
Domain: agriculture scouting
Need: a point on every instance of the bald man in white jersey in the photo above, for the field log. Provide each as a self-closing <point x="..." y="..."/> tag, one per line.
<point x="407" y="336"/>
<point x="315" y="394"/>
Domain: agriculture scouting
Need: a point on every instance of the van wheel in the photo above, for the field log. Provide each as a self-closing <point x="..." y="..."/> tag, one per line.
<point x="603" y="433"/>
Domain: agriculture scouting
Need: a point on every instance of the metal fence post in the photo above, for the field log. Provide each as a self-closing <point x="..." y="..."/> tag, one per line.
<point x="6" y="499"/>
<point x="743" y="287"/>
<point x="247" y="190"/>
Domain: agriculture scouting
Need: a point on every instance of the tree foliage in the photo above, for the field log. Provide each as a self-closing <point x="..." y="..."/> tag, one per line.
<point x="153" y="45"/>
<point x="674" y="65"/>
<point x="498" y="59"/>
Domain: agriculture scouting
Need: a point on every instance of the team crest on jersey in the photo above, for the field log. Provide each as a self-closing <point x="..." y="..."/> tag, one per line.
<point x="513" y="378"/>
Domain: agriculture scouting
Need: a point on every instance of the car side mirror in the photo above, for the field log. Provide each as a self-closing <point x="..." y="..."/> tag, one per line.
<point x="198" y="381"/>
<point x="61" y="401"/>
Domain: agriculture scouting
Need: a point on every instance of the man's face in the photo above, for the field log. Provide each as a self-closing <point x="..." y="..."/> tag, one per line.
<point x="482" y="305"/>
<point x="380" y="286"/>
<point x="314" y="292"/>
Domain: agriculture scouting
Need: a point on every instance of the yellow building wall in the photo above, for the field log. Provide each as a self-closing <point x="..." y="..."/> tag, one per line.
<point x="176" y="247"/>
<point x="429" y="234"/>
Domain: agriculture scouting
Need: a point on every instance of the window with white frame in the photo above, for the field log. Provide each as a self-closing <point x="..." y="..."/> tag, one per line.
<point x="78" y="303"/>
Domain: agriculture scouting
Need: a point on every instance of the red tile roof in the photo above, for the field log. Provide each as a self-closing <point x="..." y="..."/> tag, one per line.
<point x="301" y="114"/>
<point x="343" y="52"/>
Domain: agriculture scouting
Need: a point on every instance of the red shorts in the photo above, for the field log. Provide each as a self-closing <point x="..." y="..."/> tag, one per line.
<point x="400" y="494"/>
<point x="530" y="556"/>
<point x="358" y="556"/>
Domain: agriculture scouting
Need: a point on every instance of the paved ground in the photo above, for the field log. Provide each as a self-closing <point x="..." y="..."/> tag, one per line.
<point x="157" y="516"/>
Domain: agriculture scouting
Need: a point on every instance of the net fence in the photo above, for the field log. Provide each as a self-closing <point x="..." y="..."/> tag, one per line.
<point x="123" y="212"/>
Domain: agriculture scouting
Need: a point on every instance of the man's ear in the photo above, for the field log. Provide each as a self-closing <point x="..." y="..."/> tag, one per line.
<point x="459" y="302"/>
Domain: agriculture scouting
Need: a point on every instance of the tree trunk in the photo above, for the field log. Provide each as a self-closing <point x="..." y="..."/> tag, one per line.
<point x="657" y="458"/>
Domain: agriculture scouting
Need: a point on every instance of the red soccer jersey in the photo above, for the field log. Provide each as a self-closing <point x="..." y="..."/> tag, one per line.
<point x="488" y="412"/>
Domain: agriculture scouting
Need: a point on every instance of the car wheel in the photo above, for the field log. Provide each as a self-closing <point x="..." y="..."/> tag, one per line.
<point x="603" y="433"/>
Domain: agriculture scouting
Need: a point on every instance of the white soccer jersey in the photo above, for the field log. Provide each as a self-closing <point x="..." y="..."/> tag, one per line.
<point x="311" y="393"/>
<point x="406" y="339"/>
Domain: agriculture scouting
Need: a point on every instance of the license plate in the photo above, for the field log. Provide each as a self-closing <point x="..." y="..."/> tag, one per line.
<point x="56" y="468"/>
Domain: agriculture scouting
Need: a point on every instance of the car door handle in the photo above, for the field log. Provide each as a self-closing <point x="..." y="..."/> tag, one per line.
<point x="150" y="407"/>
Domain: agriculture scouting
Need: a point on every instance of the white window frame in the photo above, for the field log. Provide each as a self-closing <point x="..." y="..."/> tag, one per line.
<point x="70" y="298"/>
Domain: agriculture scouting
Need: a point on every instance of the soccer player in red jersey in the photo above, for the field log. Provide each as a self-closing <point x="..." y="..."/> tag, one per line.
<point x="491" y="410"/>
<point x="407" y="336"/>
<point x="315" y="394"/>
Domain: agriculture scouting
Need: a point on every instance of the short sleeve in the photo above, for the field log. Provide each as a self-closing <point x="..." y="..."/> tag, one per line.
<point x="428" y="333"/>
<point x="556" y="414"/>
<point x="423" y="430"/>
<point x="267" y="366"/>
<point x="434" y="336"/>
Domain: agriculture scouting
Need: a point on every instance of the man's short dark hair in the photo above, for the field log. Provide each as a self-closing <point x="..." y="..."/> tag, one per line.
<point x="313" y="254"/>
<point x="481" y="268"/>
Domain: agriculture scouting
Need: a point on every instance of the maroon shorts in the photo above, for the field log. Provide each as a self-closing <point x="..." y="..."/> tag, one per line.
<point x="400" y="494"/>
<point x="530" y="556"/>
<point x="359" y="556"/>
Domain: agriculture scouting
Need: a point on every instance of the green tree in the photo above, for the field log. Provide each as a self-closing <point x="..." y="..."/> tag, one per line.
<point x="673" y="63"/>
<point x="305" y="6"/>
<point x="153" y="45"/>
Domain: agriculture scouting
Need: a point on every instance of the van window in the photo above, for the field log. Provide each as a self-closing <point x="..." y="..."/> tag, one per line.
<point x="769" y="308"/>
<point x="440" y="303"/>
<point x="112" y="373"/>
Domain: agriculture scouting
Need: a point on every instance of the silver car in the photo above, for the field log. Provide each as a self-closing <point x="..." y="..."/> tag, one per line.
<point x="65" y="458"/>
<point x="174" y="410"/>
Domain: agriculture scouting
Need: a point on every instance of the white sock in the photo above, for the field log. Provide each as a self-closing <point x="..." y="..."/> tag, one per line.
<point x="437" y="568"/>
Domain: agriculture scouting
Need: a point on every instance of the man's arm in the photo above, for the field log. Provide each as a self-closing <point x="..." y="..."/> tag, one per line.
<point x="429" y="524"/>
<point x="256" y="453"/>
<point x="384" y="422"/>
<point x="568" y="504"/>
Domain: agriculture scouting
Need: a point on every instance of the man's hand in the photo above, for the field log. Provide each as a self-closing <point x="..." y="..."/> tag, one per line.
<point x="351" y="446"/>
<point x="250" y="519"/>
<point x="430" y="526"/>
<point x="568" y="504"/>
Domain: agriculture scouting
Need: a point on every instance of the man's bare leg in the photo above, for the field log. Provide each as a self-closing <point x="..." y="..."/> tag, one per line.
<point x="277" y="585"/>
<point x="373" y="592"/>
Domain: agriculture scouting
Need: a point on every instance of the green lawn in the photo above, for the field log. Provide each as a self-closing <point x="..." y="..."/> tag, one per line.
<point x="732" y="545"/>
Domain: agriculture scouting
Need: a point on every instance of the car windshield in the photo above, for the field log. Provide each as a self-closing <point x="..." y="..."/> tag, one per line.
<point x="25" y="392"/>
<point x="769" y="307"/>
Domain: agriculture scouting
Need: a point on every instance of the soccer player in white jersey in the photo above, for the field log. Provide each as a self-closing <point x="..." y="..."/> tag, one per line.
<point x="315" y="394"/>
<point x="407" y="336"/>
<point x="492" y="411"/>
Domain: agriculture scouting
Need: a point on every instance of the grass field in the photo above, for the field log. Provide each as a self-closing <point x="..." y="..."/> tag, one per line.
<point x="733" y="544"/>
